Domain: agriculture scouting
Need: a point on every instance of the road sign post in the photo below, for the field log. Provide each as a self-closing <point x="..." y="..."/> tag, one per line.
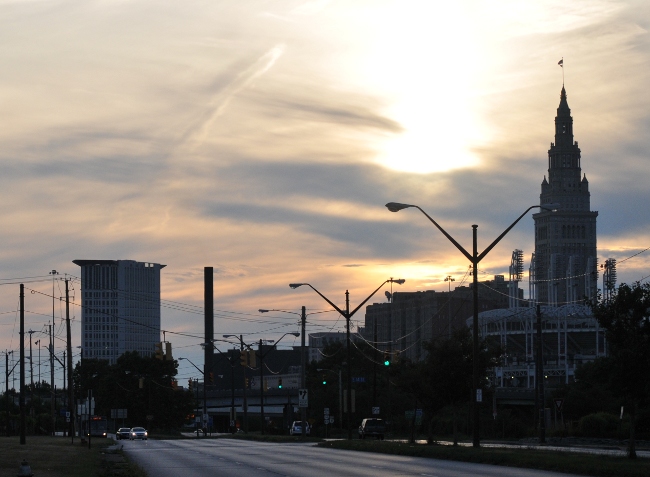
<point x="303" y="398"/>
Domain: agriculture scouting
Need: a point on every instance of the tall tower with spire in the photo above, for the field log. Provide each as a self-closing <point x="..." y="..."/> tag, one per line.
<point x="565" y="265"/>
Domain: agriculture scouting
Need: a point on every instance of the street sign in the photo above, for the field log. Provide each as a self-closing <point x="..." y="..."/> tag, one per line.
<point x="479" y="395"/>
<point x="558" y="404"/>
<point x="326" y="413"/>
<point x="375" y="410"/>
<point x="303" y="398"/>
<point x="331" y="420"/>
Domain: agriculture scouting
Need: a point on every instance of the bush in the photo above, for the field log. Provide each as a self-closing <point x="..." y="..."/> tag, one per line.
<point x="600" y="424"/>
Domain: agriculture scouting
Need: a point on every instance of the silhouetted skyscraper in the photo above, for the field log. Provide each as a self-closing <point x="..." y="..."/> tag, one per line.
<point x="120" y="312"/>
<point x="565" y="265"/>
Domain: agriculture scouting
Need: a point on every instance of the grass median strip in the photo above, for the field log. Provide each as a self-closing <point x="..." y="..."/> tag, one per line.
<point x="572" y="463"/>
<point x="57" y="457"/>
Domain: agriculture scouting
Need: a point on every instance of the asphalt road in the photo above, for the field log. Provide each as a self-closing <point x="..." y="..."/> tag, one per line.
<point x="237" y="458"/>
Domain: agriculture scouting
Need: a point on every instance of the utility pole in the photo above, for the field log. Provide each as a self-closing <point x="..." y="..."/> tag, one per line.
<point x="245" y="405"/>
<point x="63" y="388"/>
<point x="263" y="423"/>
<point x="540" y="377"/>
<point x="69" y="339"/>
<point x="31" y="365"/>
<point x="38" y="343"/>
<point x="231" y="358"/>
<point x="374" y="360"/>
<point x="7" y="372"/>
<point x="22" y="364"/>
<point x="303" y="363"/>
<point x="31" y="379"/>
<point x="51" y="348"/>
<point x="52" y="394"/>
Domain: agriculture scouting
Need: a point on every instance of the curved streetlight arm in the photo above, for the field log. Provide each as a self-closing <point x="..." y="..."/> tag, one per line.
<point x="296" y="285"/>
<point x="197" y="368"/>
<point x="399" y="281"/>
<point x="550" y="207"/>
<point x="395" y="207"/>
<point x="241" y="341"/>
<point x="275" y="344"/>
<point x="344" y="313"/>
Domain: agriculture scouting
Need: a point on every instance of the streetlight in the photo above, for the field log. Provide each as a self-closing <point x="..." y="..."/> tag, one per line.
<point x="347" y="314"/>
<point x="474" y="259"/>
<point x="245" y="401"/>
<point x="262" y="356"/>
<point x="449" y="279"/>
<point x="205" y="409"/>
<point x="303" y="384"/>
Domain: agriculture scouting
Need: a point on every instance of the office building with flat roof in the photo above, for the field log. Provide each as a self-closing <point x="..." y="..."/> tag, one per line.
<point x="120" y="302"/>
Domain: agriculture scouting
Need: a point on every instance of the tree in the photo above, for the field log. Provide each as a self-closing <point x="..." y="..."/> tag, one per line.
<point x="141" y="385"/>
<point x="448" y="370"/>
<point x="626" y="317"/>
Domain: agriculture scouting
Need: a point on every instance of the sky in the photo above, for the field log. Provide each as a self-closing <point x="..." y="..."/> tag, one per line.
<point x="263" y="138"/>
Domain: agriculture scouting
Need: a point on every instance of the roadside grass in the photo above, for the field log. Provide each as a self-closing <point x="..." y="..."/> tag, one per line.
<point x="57" y="457"/>
<point x="567" y="462"/>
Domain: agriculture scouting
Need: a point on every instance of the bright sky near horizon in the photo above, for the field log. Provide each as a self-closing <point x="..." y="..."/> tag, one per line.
<point x="263" y="138"/>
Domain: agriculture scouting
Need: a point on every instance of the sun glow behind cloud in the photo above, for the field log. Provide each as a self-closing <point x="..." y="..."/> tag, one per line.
<point x="425" y="59"/>
<point x="264" y="137"/>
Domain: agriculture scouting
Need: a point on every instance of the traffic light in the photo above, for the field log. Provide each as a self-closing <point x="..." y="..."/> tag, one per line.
<point x="189" y="384"/>
<point x="141" y="383"/>
<point x="386" y="359"/>
<point x="324" y="379"/>
<point x="211" y="377"/>
<point x="279" y="383"/>
<point x="246" y="383"/>
<point x="159" y="351"/>
<point x="174" y="385"/>
<point x="243" y="358"/>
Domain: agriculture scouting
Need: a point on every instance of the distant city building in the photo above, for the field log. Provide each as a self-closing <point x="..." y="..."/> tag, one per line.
<point x="564" y="266"/>
<point x="120" y="311"/>
<point x="571" y="337"/>
<point x="413" y="318"/>
<point x="318" y="342"/>
<point x="563" y="273"/>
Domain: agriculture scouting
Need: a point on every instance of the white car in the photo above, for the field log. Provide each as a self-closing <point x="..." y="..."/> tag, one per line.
<point x="296" y="428"/>
<point x="138" y="433"/>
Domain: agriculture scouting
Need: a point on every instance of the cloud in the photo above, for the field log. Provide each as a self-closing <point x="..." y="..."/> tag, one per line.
<point x="256" y="138"/>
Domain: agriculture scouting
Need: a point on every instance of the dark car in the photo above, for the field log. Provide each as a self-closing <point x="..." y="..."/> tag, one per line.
<point x="138" y="433"/>
<point x="372" y="428"/>
<point x="123" y="433"/>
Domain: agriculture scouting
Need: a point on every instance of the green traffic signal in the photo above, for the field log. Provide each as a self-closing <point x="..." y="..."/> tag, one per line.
<point x="386" y="363"/>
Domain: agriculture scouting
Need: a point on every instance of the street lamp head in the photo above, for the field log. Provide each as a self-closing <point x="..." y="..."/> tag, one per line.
<point x="396" y="206"/>
<point x="399" y="281"/>
<point x="295" y="333"/>
<point x="263" y="311"/>
<point x="295" y="285"/>
<point x="551" y="207"/>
